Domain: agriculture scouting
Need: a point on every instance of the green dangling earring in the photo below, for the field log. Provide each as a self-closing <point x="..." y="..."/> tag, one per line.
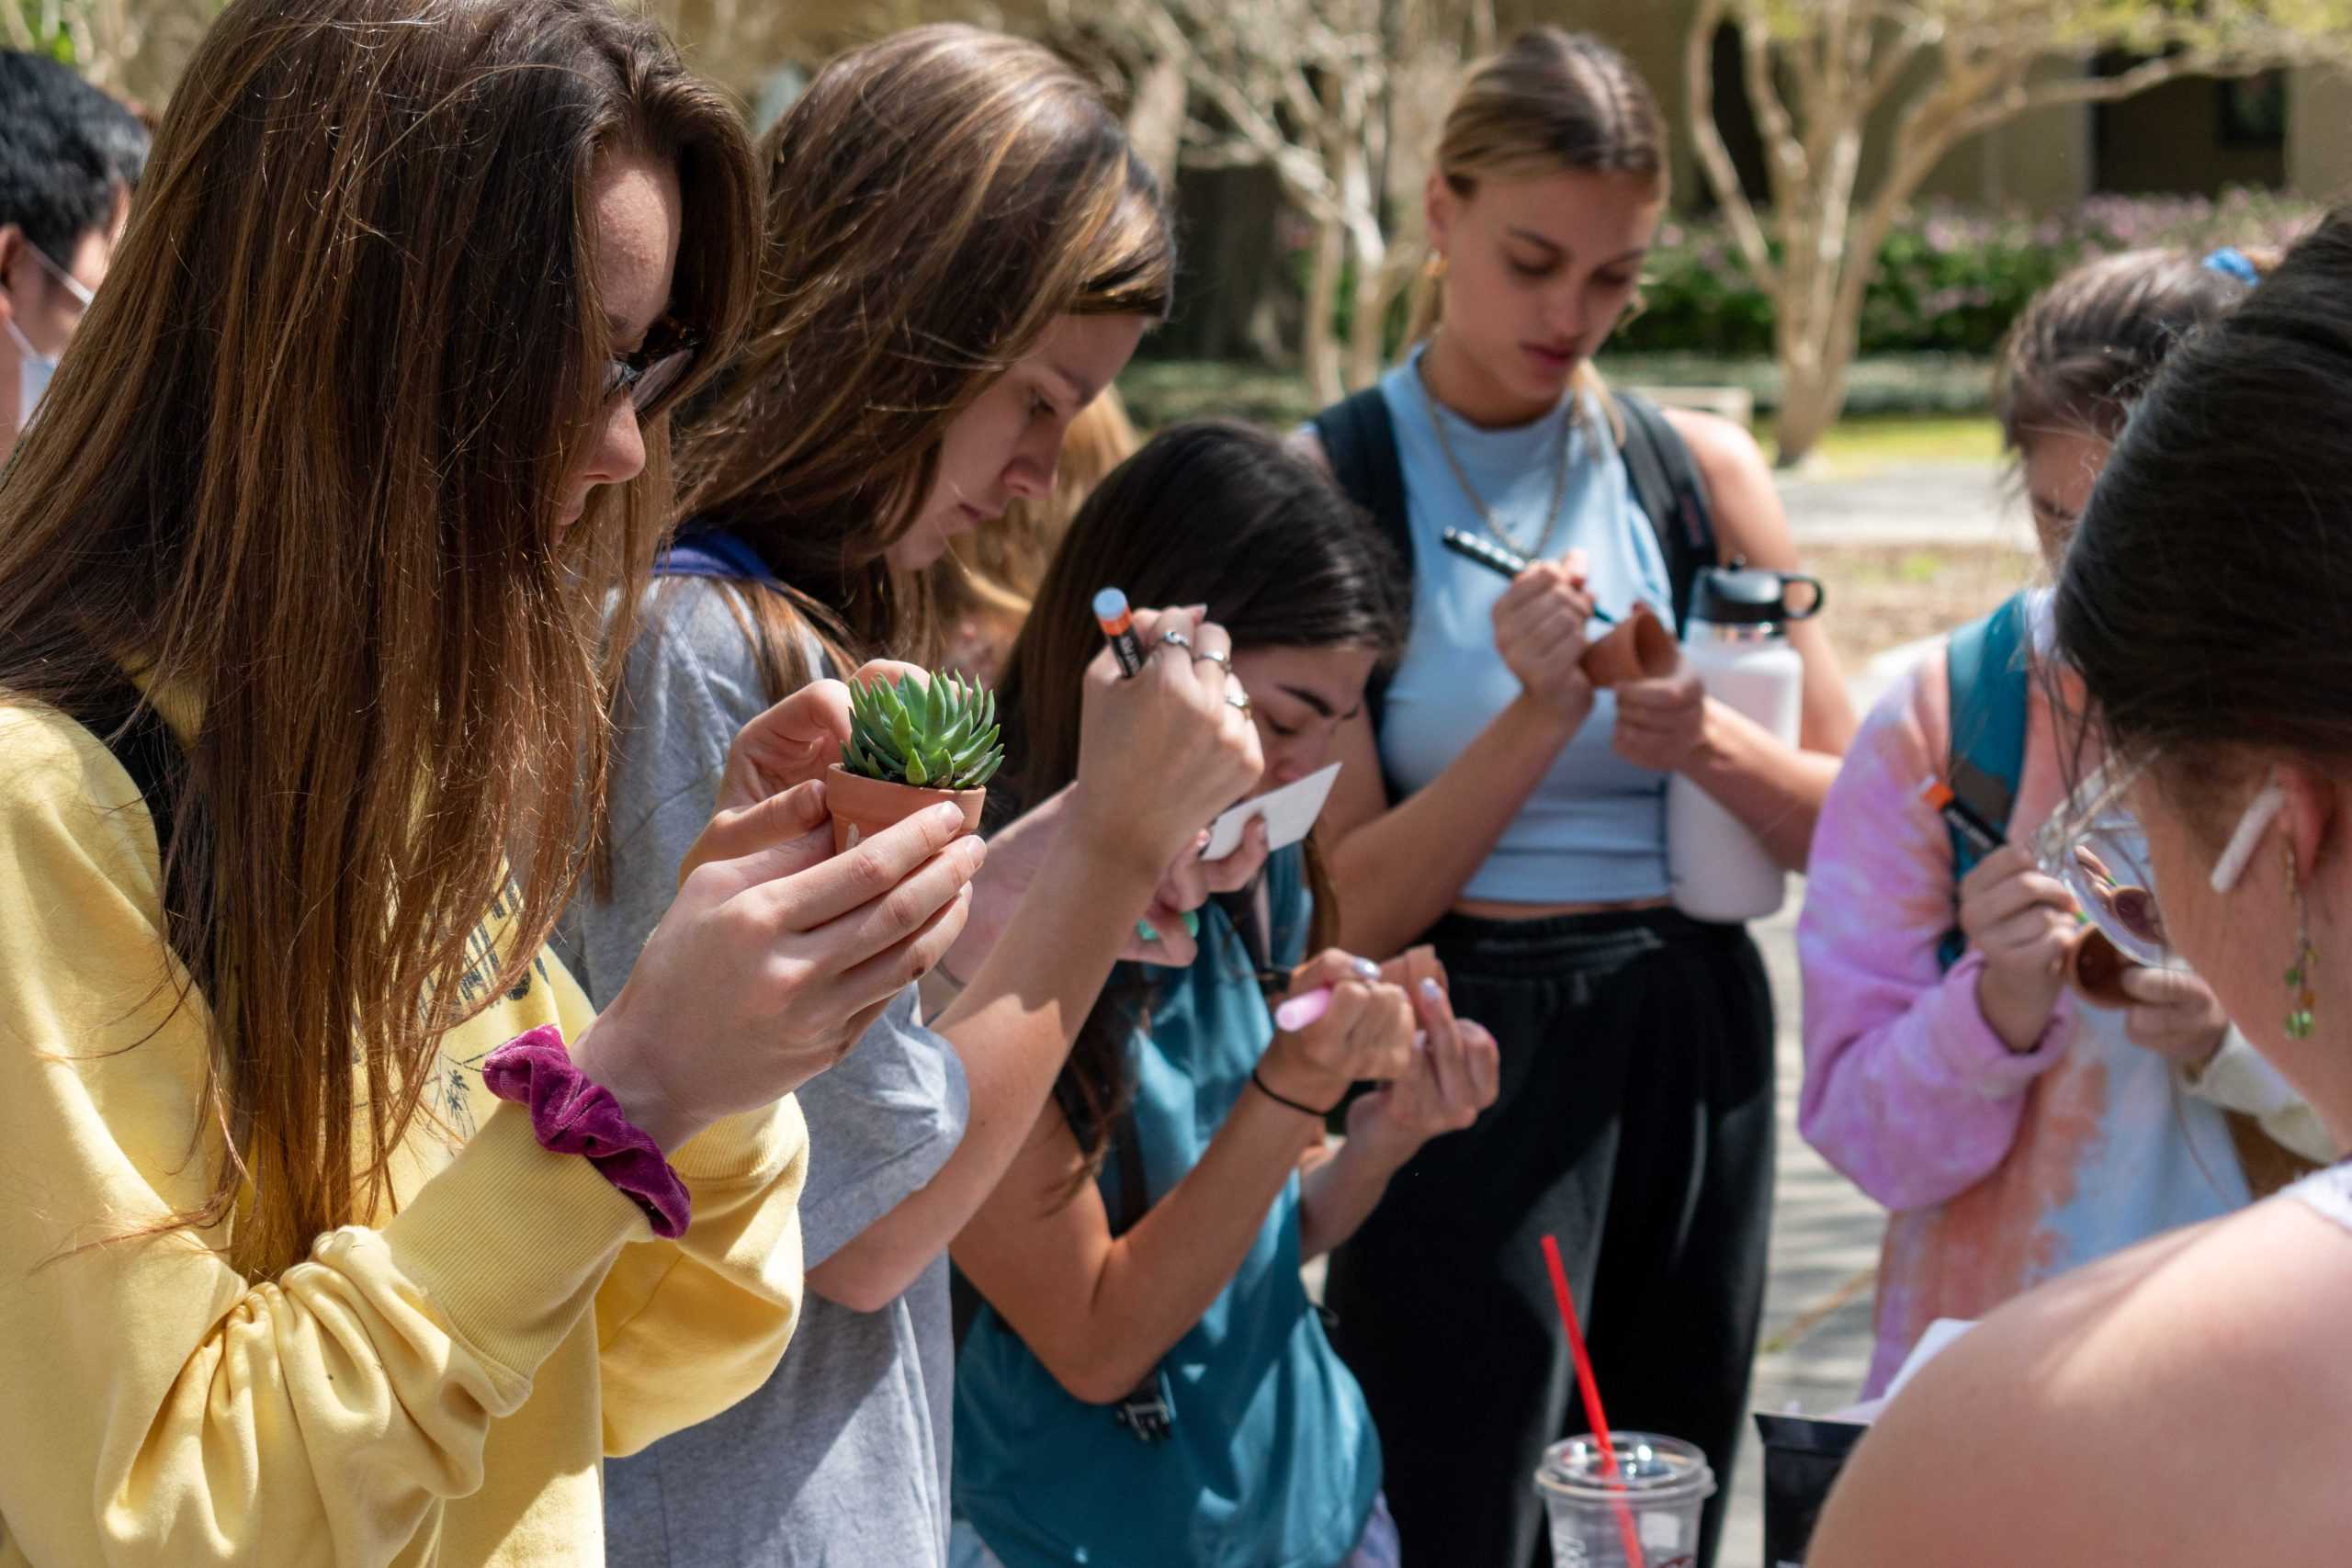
<point x="2301" y="997"/>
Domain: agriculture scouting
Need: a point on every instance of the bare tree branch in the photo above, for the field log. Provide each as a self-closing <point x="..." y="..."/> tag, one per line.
<point x="1714" y="157"/>
<point x="1821" y="75"/>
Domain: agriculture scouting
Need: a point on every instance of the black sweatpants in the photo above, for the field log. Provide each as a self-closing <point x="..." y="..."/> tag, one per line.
<point x="1636" y="1124"/>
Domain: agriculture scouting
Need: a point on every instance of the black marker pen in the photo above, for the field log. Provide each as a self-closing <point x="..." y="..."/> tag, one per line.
<point x="1962" y="818"/>
<point x="1496" y="559"/>
<point x="1118" y="625"/>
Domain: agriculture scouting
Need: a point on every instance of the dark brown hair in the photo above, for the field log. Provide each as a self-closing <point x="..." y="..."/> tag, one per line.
<point x="1209" y="513"/>
<point x="2086" y="347"/>
<point x="303" y="469"/>
<point x="935" y="200"/>
<point x="2205" y="600"/>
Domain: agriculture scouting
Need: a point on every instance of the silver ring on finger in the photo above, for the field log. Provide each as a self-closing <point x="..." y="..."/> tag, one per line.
<point x="1174" y="639"/>
<point x="1234" y="697"/>
<point x="1217" y="657"/>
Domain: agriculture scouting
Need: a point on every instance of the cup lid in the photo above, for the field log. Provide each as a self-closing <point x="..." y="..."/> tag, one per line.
<point x="1651" y="1468"/>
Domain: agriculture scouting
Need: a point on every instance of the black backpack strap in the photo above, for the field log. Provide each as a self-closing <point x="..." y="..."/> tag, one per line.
<point x="145" y="748"/>
<point x="1672" y="494"/>
<point x="1360" y="442"/>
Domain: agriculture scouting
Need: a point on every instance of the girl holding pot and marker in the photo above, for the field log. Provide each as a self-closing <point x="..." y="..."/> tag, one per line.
<point x="2180" y="1403"/>
<point x="1149" y="1383"/>
<point x="1497" y="800"/>
<point x="2019" y="1127"/>
<point x="892" y="393"/>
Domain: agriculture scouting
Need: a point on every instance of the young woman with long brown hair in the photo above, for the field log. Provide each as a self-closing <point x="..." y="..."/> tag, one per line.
<point x="301" y="576"/>
<point x="1149" y="1236"/>
<point x="1522" y="828"/>
<point x="961" y="251"/>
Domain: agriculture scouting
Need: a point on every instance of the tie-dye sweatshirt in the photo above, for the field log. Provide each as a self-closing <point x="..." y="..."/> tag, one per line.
<point x="2002" y="1168"/>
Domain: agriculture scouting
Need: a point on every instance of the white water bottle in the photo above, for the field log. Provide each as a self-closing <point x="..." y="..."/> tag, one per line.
<point x="1736" y="643"/>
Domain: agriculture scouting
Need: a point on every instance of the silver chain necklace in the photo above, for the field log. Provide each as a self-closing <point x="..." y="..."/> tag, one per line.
<point x="1477" y="503"/>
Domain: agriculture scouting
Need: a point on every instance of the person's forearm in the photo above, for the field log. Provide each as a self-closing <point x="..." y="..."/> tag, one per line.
<point x="1157" y="1279"/>
<point x="1776" y="789"/>
<point x="1337" y="1195"/>
<point x="1013" y="1027"/>
<point x="1399" y="872"/>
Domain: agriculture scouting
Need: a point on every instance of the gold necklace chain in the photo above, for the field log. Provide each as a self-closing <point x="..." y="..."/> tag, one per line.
<point x="1477" y="503"/>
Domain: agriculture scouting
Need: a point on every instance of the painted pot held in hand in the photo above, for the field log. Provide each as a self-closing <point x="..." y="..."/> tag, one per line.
<point x="1640" y="649"/>
<point x="2095" y="968"/>
<point x="862" y="806"/>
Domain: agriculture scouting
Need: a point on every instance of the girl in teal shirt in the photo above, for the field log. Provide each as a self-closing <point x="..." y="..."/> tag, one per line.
<point x="1147" y="1383"/>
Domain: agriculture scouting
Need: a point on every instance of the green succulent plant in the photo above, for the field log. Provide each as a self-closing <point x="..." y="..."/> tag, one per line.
<point x="942" y="736"/>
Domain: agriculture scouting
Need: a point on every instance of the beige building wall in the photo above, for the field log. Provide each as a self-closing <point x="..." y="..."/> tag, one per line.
<point x="2319" y="134"/>
<point x="2041" y="160"/>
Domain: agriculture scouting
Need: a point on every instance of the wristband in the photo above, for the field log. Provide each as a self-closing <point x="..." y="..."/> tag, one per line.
<point x="570" y="1115"/>
<point x="1280" y="1099"/>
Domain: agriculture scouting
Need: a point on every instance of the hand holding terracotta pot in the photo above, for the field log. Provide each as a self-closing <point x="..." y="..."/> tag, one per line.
<point x="2095" y="968"/>
<point x="913" y="745"/>
<point x="1638" y="647"/>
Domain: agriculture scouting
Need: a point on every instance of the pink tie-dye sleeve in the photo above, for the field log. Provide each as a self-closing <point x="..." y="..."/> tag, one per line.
<point x="1907" y="1090"/>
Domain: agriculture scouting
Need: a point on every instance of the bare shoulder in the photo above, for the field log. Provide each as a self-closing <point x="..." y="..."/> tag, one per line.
<point x="1718" y="444"/>
<point x="2173" y="1405"/>
<point x="1750" y="520"/>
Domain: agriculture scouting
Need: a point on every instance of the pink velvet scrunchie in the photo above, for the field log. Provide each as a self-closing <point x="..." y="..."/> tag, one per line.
<point x="570" y="1115"/>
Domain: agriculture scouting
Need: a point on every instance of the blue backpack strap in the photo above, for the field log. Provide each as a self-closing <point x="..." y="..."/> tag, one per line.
<point x="712" y="552"/>
<point x="1985" y="669"/>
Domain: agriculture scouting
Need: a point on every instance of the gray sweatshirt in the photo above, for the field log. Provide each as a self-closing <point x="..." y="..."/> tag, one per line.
<point x="842" y="1460"/>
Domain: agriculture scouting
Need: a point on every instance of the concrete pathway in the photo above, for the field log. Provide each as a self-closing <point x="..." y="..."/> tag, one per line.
<point x="1906" y="504"/>
<point x="1816" y="1342"/>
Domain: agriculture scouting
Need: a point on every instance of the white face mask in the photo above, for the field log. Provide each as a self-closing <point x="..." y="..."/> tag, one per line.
<point x="35" y="368"/>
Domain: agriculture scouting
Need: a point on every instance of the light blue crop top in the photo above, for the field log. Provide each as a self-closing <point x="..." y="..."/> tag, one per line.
<point x="1594" y="832"/>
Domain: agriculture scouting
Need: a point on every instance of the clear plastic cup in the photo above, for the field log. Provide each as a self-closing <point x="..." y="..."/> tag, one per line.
<point x="1664" y="1483"/>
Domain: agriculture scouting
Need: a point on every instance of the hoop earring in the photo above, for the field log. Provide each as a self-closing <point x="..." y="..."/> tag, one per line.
<point x="2301" y="997"/>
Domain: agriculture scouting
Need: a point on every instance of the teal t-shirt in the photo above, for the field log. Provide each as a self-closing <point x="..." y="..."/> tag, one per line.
<point x="1272" y="1462"/>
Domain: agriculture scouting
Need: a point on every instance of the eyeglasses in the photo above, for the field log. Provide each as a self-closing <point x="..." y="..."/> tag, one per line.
<point x="2094" y="845"/>
<point x="654" y="371"/>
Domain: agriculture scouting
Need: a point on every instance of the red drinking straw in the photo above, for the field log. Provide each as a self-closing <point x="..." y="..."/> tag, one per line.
<point x="1591" y="1393"/>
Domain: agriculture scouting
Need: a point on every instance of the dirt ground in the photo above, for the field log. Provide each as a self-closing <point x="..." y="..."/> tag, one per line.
<point x="1882" y="596"/>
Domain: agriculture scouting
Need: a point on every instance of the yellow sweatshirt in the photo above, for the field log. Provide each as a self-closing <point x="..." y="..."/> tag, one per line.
<point x="435" y="1390"/>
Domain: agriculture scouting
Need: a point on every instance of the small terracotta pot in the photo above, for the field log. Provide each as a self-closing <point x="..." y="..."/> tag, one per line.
<point x="862" y="806"/>
<point x="2095" y="968"/>
<point x="1641" y="648"/>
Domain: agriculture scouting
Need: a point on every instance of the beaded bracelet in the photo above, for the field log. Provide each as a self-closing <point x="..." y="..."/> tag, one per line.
<point x="570" y="1115"/>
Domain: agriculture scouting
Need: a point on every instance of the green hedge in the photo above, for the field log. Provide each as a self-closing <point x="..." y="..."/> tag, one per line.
<point x="1949" y="280"/>
<point x="1162" y="391"/>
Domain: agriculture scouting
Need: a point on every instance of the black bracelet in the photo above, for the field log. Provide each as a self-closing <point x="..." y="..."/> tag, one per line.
<point x="1284" y="1099"/>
